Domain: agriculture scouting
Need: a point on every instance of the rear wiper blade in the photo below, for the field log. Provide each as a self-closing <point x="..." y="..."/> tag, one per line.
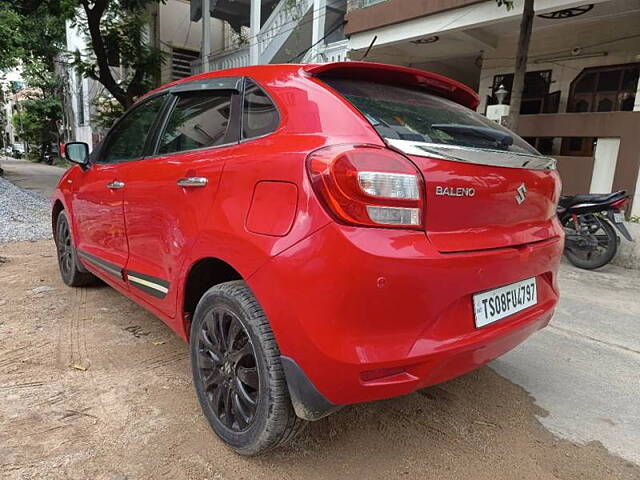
<point x="503" y="139"/>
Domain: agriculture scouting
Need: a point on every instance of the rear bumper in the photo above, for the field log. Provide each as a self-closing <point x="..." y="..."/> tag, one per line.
<point x="374" y="313"/>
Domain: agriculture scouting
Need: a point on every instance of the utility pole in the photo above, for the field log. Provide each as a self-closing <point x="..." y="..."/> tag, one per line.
<point x="520" y="70"/>
<point x="205" y="50"/>
<point x="317" y="29"/>
<point x="254" y="49"/>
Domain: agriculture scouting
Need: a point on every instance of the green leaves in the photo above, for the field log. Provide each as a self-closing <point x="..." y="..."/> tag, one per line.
<point x="32" y="34"/>
<point x="28" y="31"/>
<point x="10" y="37"/>
<point x="117" y="31"/>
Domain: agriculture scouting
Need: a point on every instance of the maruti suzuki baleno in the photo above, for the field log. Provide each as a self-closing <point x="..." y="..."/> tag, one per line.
<point x="320" y="234"/>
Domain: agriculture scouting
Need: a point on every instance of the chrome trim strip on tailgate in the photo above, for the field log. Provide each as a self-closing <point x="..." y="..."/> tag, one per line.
<point x="479" y="156"/>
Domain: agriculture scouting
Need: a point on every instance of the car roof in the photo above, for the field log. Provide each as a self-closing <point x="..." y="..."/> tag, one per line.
<point x="396" y="74"/>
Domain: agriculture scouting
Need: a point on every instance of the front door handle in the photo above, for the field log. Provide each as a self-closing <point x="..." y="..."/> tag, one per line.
<point x="189" y="182"/>
<point x="115" y="185"/>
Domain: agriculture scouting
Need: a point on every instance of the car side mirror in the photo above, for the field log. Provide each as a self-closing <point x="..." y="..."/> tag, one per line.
<point x="77" y="152"/>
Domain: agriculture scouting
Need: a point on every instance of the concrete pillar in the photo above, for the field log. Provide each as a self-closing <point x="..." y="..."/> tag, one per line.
<point x="635" y="208"/>
<point x="317" y="32"/>
<point x="636" y="104"/>
<point x="205" y="49"/>
<point x="254" y="49"/>
<point x="604" y="165"/>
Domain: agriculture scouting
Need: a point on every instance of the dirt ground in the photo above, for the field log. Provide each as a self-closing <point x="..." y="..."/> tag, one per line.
<point x="93" y="387"/>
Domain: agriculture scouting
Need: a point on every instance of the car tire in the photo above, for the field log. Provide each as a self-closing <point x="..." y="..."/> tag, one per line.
<point x="71" y="270"/>
<point x="237" y="371"/>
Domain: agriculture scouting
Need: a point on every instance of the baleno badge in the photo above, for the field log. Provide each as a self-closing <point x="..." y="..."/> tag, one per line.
<point x="455" y="191"/>
<point x="521" y="194"/>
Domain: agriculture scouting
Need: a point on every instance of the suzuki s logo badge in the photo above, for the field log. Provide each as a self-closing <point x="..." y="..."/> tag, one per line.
<point x="522" y="194"/>
<point x="455" y="191"/>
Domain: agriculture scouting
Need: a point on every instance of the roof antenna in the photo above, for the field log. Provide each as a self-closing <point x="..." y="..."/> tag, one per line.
<point x="369" y="49"/>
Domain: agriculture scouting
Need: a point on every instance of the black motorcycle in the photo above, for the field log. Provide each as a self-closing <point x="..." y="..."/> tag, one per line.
<point x="590" y="239"/>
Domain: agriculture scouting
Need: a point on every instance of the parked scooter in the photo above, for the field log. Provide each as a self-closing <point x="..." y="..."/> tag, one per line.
<point x="590" y="239"/>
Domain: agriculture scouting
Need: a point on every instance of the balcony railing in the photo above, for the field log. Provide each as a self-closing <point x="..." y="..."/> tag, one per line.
<point x="238" y="57"/>
<point x="336" y="51"/>
<point x="354" y="4"/>
<point x="279" y="27"/>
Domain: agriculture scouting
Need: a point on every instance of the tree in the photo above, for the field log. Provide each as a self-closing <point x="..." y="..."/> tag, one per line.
<point x="36" y="38"/>
<point x="522" y="54"/>
<point x="41" y="111"/>
<point x="10" y="37"/>
<point x="117" y="32"/>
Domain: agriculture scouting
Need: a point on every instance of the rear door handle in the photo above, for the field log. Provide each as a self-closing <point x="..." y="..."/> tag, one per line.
<point x="189" y="182"/>
<point x="115" y="185"/>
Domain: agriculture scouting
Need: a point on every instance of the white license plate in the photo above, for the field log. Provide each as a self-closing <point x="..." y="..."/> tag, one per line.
<point x="618" y="217"/>
<point x="493" y="305"/>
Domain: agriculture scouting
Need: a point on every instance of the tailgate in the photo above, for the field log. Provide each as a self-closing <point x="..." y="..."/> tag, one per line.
<point x="477" y="206"/>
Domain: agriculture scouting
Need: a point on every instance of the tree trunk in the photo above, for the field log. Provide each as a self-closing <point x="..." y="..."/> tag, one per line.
<point x="522" y="55"/>
<point x="94" y="15"/>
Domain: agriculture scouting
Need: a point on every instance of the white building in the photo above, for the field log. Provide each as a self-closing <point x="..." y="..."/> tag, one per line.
<point x="8" y="80"/>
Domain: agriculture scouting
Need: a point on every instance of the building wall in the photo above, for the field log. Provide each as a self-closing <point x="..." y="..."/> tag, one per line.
<point x="618" y="129"/>
<point x="553" y="42"/>
<point x="6" y="80"/>
<point x="81" y="93"/>
<point x="395" y="11"/>
<point x="176" y="30"/>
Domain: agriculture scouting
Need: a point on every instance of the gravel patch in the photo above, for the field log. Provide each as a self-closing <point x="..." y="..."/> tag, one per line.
<point x="24" y="215"/>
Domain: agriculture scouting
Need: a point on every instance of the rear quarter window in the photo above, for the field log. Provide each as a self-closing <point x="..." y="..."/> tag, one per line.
<point x="403" y="113"/>
<point x="259" y="113"/>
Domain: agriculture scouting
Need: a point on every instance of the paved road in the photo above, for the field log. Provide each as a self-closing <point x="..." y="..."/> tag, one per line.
<point x="31" y="176"/>
<point x="584" y="369"/>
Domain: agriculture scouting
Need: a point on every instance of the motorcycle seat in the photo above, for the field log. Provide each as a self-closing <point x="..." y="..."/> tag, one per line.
<point x="569" y="200"/>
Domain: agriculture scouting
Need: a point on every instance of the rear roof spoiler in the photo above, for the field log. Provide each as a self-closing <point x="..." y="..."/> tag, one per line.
<point x="439" y="84"/>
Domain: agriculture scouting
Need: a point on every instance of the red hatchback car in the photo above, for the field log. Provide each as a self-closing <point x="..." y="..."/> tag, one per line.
<point x="321" y="235"/>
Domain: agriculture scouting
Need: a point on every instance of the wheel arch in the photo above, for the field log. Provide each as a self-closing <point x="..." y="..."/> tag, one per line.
<point x="203" y="274"/>
<point x="58" y="207"/>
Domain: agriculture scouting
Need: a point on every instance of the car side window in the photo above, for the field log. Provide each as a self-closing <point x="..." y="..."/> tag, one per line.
<point x="128" y="137"/>
<point x="259" y="114"/>
<point x="198" y="120"/>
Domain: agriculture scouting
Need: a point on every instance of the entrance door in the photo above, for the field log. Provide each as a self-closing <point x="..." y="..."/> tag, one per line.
<point x="98" y="202"/>
<point x="169" y="195"/>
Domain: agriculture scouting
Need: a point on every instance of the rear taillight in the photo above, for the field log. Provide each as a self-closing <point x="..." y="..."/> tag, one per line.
<point x="619" y="204"/>
<point x="368" y="185"/>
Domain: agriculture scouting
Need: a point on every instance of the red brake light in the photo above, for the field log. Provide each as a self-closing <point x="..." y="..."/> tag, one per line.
<point x="368" y="186"/>
<point x="619" y="204"/>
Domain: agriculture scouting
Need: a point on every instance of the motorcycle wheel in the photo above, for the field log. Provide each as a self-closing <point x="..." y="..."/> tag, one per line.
<point x="604" y="252"/>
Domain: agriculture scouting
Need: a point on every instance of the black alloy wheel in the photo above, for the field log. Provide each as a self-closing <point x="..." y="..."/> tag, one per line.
<point x="72" y="272"/>
<point x="237" y="372"/>
<point x="228" y="369"/>
<point x="65" y="249"/>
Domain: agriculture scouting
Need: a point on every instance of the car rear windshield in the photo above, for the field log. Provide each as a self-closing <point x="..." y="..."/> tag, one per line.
<point x="402" y="113"/>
